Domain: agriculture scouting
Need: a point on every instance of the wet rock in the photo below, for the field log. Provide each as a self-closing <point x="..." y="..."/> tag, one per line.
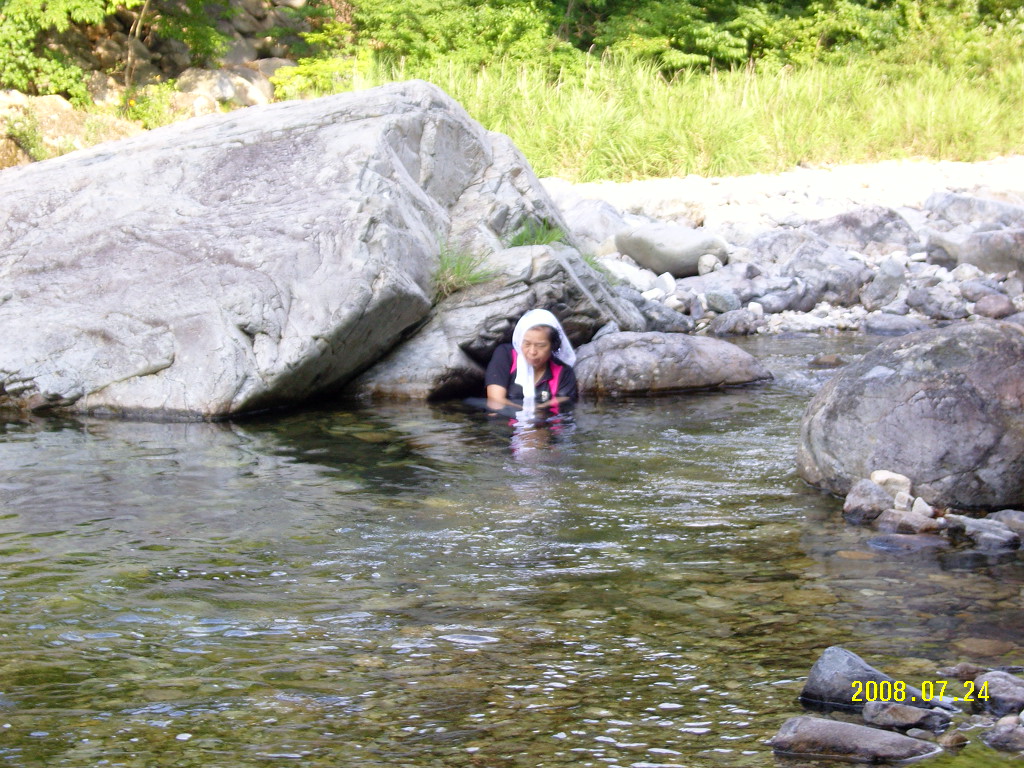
<point x="648" y="363"/>
<point x="901" y="717"/>
<point x="821" y="738"/>
<point x="902" y="542"/>
<point x="670" y="248"/>
<point x="995" y="305"/>
<point x="987" y="534"/>
<point x="1007" y="735"/>
<point x="828" y="361"/>
<point x="830" y="681"/>
<point x="865" y="502"/>
<point x="905" y="521"/>
<point x="1005" y="693"/>
<point x="955" y="390"/>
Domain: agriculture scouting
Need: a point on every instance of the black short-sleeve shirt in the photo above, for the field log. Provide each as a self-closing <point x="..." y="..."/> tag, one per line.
<point x="500" y="372"/>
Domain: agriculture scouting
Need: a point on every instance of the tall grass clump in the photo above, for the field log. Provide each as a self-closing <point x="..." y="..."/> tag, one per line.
<point x="457" y="270"/>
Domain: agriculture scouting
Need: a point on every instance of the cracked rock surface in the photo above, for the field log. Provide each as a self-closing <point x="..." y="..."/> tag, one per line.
<point x="945" y="407"/>
<point x="239" y="262"/>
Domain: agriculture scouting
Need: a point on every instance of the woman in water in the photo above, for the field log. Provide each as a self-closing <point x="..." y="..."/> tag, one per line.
<point x="535" y="370"/>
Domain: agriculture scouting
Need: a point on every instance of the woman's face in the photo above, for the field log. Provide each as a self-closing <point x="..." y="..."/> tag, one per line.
<point x="537" y="346"/>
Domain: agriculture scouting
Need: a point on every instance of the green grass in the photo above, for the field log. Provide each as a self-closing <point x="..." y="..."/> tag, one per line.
<point x="536" y="233"/>
<point x="622" y="120"/>
<point x="458" y="270"/>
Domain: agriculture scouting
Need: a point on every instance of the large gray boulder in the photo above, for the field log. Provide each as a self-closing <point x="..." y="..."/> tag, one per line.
<point x="239" y="262"/>
<point x="670" y="247"/>
<point x="1000" y="250"/>
<point x="447" y="357"/>
<point x="941" y="406"/>
<point x="618" y="364"/>
<point x="873" y="228"/>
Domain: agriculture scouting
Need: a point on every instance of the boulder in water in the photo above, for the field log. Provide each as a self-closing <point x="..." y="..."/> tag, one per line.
<point x="942" y="406"/>
<point x="240" y="262"/>
<point x="618" y="364"/>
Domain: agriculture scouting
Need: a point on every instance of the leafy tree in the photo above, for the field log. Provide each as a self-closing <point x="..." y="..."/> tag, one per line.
<point x="31" y="62"/>
<point x="27" y="63"/>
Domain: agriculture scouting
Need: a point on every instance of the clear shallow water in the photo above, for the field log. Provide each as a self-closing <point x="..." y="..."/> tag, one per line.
<point x="424" y="586"/>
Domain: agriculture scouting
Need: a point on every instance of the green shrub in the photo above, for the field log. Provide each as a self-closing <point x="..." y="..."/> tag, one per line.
<point x="24" y="131"/>
<point x="151" y="106"/>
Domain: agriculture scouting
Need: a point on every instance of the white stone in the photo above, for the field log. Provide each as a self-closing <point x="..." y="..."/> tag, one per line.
<point x="892" y="482"/>
<point x="708" y="263"/>
<point x="637" y="278"/>
<point x="903" y="501"/>
<point x="665" y="282"/>
<point x="654" y="294"/>
<point x="922" y="507"/>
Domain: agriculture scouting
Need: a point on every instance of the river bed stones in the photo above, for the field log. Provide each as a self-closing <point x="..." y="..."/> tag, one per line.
<point x="842" y="682"/>
<point x="901" y="254"/>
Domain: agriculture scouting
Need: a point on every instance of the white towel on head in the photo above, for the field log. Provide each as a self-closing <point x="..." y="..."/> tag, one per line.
<point x="524" y="371"/>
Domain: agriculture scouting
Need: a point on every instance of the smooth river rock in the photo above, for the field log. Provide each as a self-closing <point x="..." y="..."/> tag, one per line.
<point x="240" y="262"/>
<point x="830" y="683"/>
<point x="618" y="364"/>
<point x="945" y="407"/>
<point x="835" y="739"/>
<point x="670" y="247"/>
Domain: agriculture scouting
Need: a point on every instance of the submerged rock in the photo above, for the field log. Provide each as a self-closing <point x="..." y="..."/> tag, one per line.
<point x="943" y="407"/>
<point x="820" y="738"/>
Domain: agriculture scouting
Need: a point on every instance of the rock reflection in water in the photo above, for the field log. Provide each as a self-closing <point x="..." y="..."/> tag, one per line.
<point x="417" y="585"/>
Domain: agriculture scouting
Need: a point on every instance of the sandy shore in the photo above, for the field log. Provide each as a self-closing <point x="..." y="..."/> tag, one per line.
<point x="809" y="193"/>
